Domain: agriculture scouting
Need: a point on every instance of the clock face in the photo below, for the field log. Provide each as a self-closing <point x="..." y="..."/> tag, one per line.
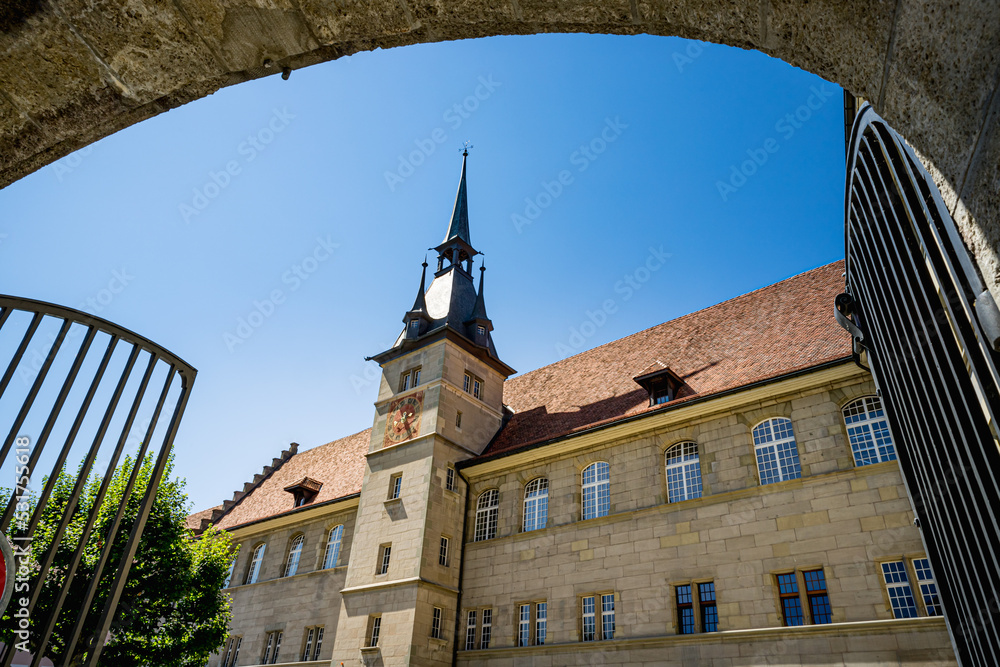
<point x="403" y="421"/>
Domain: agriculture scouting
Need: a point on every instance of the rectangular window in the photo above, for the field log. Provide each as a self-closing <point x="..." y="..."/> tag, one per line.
<point x="409" y="379"/>
<point x="237" y="642"/>
<point x="467" y="384"/>
<point x="791" y="605"/>
<point x="608" y="616"/>
<point x="449" y="479"/>
<point x="436" y="623"/>
<point x="541" y="622"/>
<point x="319" y="642"/>
<point x="927" y="585"/>
<point x="307" y="648"/>
<point x="443" y="552"/>
<point x="709" y="610"/>
<point x="458" y="419"/>
<point x="481" y="330"/>
<point x="589" y="620"/>
<point x="395" y="485"/>
<point x="487" y="633"/>
<point x="374" y="629"/>
<point x="473" y="385"/>
<point x="898" y="586"/>
<point x="477" y="388"/>
<point x="819" y="600"/>
<point x="383" y="561"/>
<point x="685" y="610"/>
<point x="470" y="631"/>
<point x="524" y="625"/>
<point x="271" y="647"/>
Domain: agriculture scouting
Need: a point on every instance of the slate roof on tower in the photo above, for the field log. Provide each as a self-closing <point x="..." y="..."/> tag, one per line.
<point x="763" y="335"/>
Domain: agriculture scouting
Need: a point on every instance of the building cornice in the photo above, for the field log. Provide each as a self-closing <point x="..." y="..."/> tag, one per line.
<point x="670" y="416"/>
<point x="364" y="588"/>
<point x="764" y="636"/>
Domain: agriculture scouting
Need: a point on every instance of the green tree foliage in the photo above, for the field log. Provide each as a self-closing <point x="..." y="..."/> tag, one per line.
<point x="172" y="612"/>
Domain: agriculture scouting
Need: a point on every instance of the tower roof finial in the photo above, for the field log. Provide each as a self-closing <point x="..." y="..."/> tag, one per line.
<point x="459" y="226"/>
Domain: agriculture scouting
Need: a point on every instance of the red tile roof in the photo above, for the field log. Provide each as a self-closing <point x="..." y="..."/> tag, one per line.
<point x="339" y="465"/>
<point x="773" y="331"/>
<point x="770" y="332"/>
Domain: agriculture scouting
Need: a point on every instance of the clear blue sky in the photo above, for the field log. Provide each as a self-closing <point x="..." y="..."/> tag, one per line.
<point x="646" y="129"/>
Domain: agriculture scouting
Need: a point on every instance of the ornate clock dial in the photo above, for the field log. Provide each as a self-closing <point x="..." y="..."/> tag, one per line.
<point x="403" y="420"/>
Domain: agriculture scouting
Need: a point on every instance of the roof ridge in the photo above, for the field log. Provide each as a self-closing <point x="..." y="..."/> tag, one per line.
<point x="677" y="319"/>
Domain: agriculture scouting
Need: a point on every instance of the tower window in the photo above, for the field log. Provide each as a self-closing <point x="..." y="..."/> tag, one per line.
<point x="481" y="330"/>
<point x="414" y="327"/>
<point x="436" y="624"/>
<point x="458" y="419"/>
<point x="374" y="629"/>
<point x="449" y="478"/>
<point x="395" y="485"/>
<point x="443" y="552"/>
<point x="473" y="385"/>
<point x="409" y="379"/>
<point x="383" y="559"/>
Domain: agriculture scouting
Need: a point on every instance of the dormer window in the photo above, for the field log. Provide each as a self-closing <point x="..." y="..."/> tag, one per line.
<point x="481" y="330"/>
<point x="660" y="382"/>
<point x="414" y="327"/>
<point x="304" y="491"/>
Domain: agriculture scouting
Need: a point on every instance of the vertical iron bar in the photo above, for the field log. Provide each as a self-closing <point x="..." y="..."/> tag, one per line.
<point x="15" y="361"/>
<point x="107" y="615"/>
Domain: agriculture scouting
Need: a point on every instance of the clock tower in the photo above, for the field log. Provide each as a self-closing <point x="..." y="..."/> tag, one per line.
<point x="440" y="401"/>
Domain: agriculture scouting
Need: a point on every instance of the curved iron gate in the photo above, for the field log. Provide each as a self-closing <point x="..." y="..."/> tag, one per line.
<point x="926" y="323"/>
<point x="66" y="358"/>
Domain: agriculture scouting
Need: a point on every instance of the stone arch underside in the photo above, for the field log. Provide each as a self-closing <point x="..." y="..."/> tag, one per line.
<point x="74" y="71"/>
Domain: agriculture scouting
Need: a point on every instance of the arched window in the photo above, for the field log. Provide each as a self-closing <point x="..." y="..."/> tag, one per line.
<point x="333" y="547"/>
<point x="683" y="472"/>
<point x="255" y="561"/>
<point x="486" y="515"/>
<point x="777" y="454"/>
<point x="596" y="490"/>
<point x="868" y="431"/>
<point x="229" y="573"/>
<point x="536" y="504"/>
<point x="294" y="553"/>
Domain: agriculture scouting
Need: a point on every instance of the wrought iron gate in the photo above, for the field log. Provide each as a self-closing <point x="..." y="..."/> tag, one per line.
<point x="74" y="379"/>
<point x="929" y="328"/>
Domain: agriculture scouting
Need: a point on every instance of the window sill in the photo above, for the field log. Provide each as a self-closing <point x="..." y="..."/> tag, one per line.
<point x="393" y="502"/>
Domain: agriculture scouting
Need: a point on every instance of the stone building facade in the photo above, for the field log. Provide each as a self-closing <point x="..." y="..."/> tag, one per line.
<point x="720" y="489"/>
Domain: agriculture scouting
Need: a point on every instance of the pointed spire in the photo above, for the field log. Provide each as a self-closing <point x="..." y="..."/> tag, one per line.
<point x="479" y="310"/>
<point x="459" y="227"/>
<point x="420" y="304"/>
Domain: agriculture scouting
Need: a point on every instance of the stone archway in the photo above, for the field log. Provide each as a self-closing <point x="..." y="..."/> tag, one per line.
<point x="74" y="71"/>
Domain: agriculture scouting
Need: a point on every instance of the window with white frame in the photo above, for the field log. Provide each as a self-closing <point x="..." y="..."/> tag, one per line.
<point x="541" y="622"/>
<point x="486" y="634"/>
<point x="443" y="551"/>
<point x="229" y="573"/>
<point x="683" y="472"/>
<point x="605" y="629"/>
<point x="458" y="419"/>
<point x="232" y="651"/>
<point x="470" y="630"/>
<point x="589" y="618"/>
<point x="777" y="453"/>
<point x="409" y="379"/>
<point x="868" y="431"/>
<point x="487" y="509"/>
<point x="473" y="385"/>
<point x="927" y="586"/>
<point x="524" y="625"/>
<point x="536" y="504"/>
<point x="383" y="558"/>
<point x="333" y="541"/>
<point x="608" y="616"/>
<point x="449" y="479"/>
<point x="374" y="629"/>
<point x="395" y="485"/>
<point x="253" y="570"/>
<point x="313" y="643"/>
<point x="436" y="623"/>
<point x="897" y="584"/>
<point x="294" y="554"/>
<point x="902" y="599"/>
<point x="596" y="490"/>
<point x="272" y="645"/>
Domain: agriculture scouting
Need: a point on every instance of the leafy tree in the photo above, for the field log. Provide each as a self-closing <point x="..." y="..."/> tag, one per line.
<point x="172" y="612"/>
